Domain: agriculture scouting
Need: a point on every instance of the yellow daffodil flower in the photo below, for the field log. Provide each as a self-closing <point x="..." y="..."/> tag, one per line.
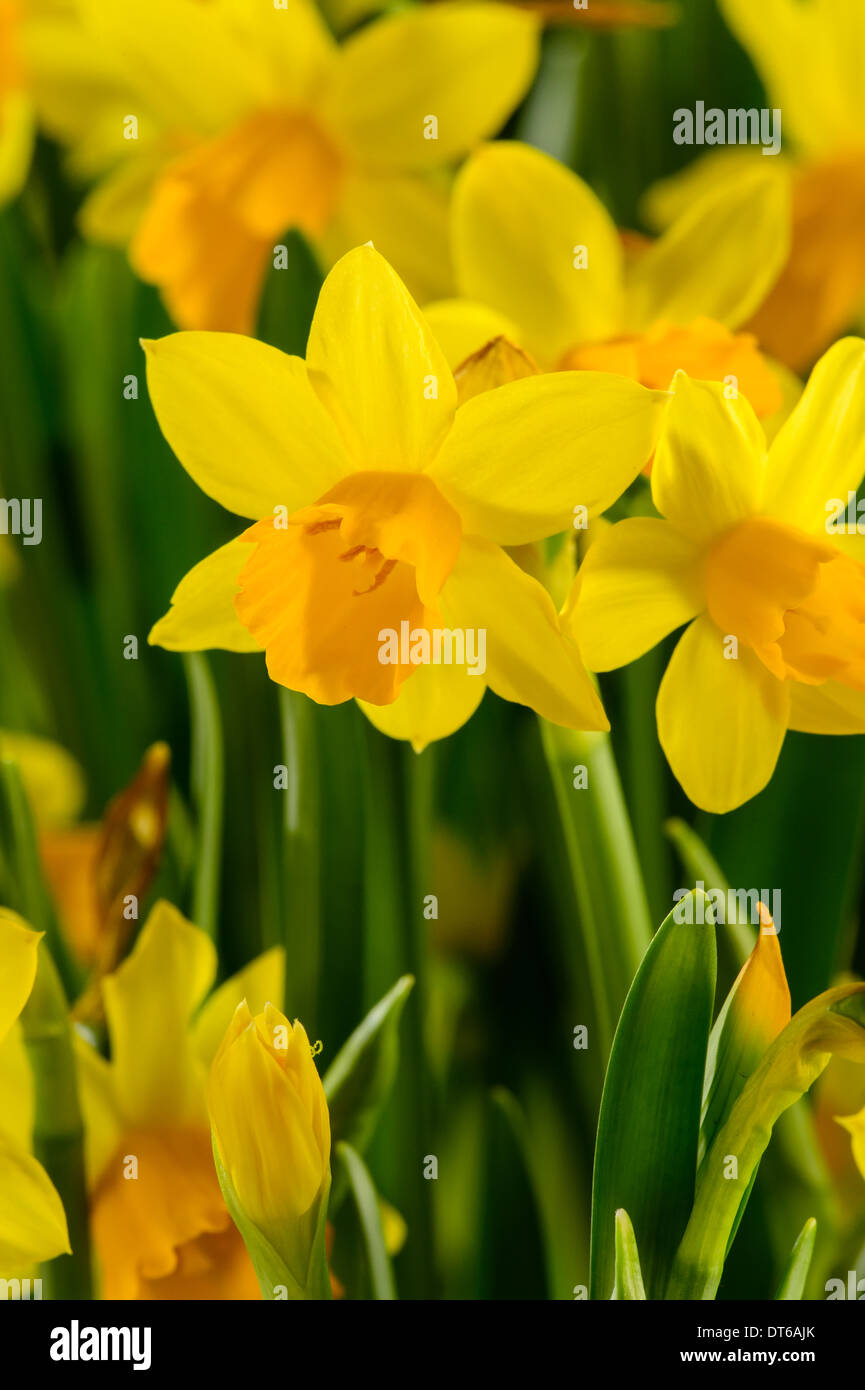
<point x="748" y="555"/>
<point x="160" y="1227"/>
<point x="271" y="1132"/>
<point x="810" y="55"/>
<point x="32" y="1220"/>
<point x="247" y="119"/>
<point x="381" y="508"/>
<point x="539" y="260"/>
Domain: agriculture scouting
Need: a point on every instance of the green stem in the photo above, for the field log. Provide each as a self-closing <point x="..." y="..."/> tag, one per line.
<point x="369" y="1215"/>
<point x="58" y="1134"/>
<point x="608" y="886"/>
<point x="208" y="790"/>
<point x="398" y="826"/>
<point x="301" y="852"/>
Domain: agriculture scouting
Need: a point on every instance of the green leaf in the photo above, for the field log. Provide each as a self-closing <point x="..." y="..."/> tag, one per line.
<point x="629" y="1277"/>
<point x="793" y="1283"/>
<point x="207" y="780"/>
<point x="646" y="1152"/>
<point x="369" y="1213"/>
<point x="359" y="1078"/>
<point x="697" y="860"/>
<point x="834" y="1022"/>
<point x="608" y="886"/>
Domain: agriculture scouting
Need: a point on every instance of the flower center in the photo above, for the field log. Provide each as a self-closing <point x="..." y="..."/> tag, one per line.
<point x="795" y="600"/>
<point x="703" y="348"/>
<point x="208" y="229"/>
<point x="323" y="583"/>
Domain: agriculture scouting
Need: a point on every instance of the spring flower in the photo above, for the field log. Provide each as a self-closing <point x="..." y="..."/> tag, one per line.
<point x="539" y="260"/>
<point x="271" y="1132"/>
<point x="250" y="120"/>
<point x="32" y="1220"/>
<point x="810" y="55"/>
<point x="160" y="1227"/>
<point x="378" y="503"/>
<point x="749" y="556"/>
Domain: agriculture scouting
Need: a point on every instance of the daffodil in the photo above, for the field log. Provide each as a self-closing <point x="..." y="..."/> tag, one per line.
<point x="751" y="554"/>
<point x="271" y="1135"/>
<point x="160" y="1226"/>
<point x="810" y="55"/>
<point x="381" y="509"/>
<point x="539" y="260"/>
<point x="32" y="1220"/>
<point x="247" y="119"/>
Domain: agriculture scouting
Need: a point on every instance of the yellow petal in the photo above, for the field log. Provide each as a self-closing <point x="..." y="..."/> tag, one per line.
<point x="16" y="142"/>
<point x="519" y="218"/>
<point x="101" y="1107"/>
<point x="111" y="213"/>
<point x="721" y="722"/>
<point x="820" y="452"/>
<point x="291" y="39"/>
<point x="520" y="459"/>
<point x="719" y="259"/>
<point x="260" y="982"/>
<point x="462" y="327"/>
<point x="32" y="1220"/>
<point x="855" y="1124"/>
<point x="202" y="613"/>
<point x="16" y="1089"/>
<point x="529" y="660"/>
<point x="710" y="461"/>
<point x="149" y="1003"/>
<point x="810" y="59"/>
<point x="183" y="59"/>
<point x="466" y="65"/>
<point x="146" y="1229"/>
<point x="433" y="703"/>
<point x="18" y="946"/>
<point x="53" y="780"/>
<point x="405" y="216"/>
<point x="377" y="368"/>
<point x="827" y="709"/>
<point x="243" y="421"/>
<point x="638" y="582"/>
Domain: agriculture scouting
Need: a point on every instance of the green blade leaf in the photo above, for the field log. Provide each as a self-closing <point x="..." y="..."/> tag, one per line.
<point x="646" y="1153"/>
<point x="207" y="780"/>
<point x="793" y="1283"/>
<point x="834" y="1022"/>
<point x="629" y="1276"/>
<point x="369" y="1213"/>
<point x="359" y="1078"/>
